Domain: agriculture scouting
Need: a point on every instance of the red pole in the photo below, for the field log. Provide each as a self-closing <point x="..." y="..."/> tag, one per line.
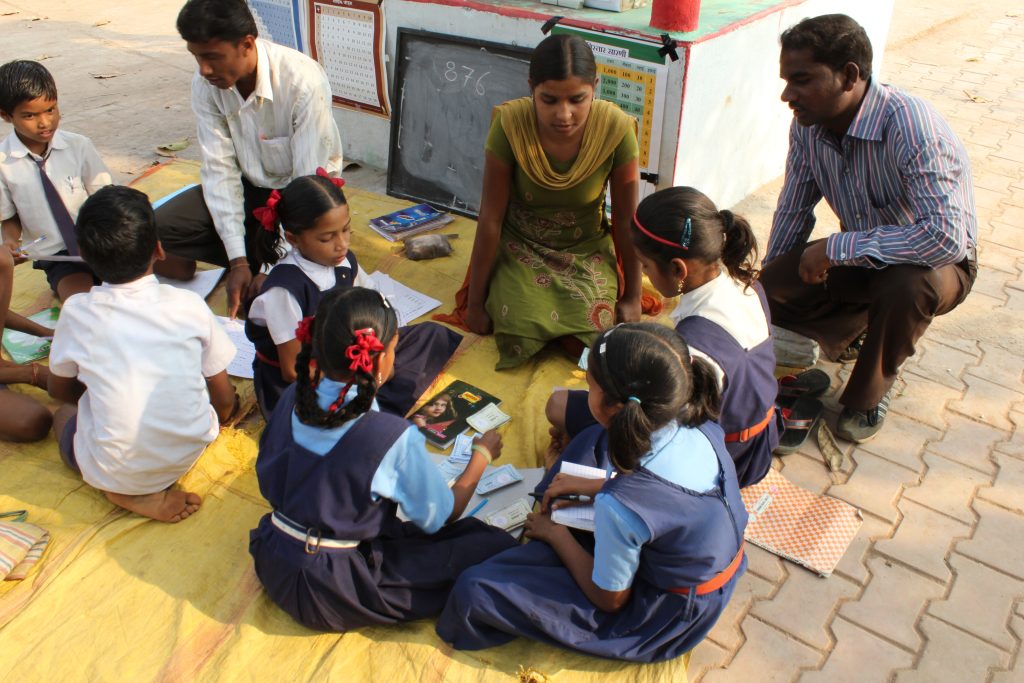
<point x="675" y="15"/>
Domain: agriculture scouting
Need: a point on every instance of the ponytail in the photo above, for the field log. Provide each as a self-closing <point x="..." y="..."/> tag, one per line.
<point x="739" y="253"/>
<point x="705" y="399"/>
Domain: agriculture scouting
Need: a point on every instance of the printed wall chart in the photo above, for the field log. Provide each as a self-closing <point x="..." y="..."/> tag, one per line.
<point x="278" y="21"/>
<point x="347" y="38"/>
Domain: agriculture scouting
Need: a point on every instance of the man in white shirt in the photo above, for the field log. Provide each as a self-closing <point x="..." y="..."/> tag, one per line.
<point x="263" y="113"/>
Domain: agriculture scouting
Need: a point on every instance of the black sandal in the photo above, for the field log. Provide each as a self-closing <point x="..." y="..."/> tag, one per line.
<point x="800" y="419"/>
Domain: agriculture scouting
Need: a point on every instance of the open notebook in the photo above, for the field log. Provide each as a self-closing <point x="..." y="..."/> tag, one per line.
<point x="578" y="516"/>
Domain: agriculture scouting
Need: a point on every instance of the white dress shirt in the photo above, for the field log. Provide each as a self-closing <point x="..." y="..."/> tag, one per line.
<point x="73" y="167"/>
<point x="731" y="305"/>
<point x="142" y="349"/>
<point x="283" y="130"/>
<point x="278" y="311"/>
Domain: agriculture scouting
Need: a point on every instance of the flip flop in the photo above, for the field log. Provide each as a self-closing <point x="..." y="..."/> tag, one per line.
<point x="811" y="383"/>
<point x="799" y="420"/>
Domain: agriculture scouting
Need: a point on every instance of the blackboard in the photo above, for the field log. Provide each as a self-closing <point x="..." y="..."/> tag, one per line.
<point x="445" y="89"/>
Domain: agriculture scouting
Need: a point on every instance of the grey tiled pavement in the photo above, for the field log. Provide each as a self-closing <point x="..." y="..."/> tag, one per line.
<point x="932" y="589"/>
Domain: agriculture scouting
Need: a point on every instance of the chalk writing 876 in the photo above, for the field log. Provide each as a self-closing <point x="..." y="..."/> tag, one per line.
<point x="454" y="72"/>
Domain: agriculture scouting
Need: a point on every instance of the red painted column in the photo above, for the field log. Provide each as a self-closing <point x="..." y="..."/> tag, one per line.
<point x="675" y="15"/>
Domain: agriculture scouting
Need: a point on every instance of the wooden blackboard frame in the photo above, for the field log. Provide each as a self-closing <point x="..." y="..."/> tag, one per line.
<point x="395" y="187"/>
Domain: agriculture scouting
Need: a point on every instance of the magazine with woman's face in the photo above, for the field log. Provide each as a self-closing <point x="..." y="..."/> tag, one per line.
<point x="444" y="415"/>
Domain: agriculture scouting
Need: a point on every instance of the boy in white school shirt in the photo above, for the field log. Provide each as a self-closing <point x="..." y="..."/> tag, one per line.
<point x="145" y="362"/>
<point x="45" y="175"/>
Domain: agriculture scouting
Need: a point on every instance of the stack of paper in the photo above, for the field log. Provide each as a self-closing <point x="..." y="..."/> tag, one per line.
<point x="578" y="516"/>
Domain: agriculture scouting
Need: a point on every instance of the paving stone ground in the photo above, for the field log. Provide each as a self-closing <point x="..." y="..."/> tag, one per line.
<point x="932" y="589"/>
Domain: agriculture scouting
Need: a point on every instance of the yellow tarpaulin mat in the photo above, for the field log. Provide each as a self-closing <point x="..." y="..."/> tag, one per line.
<point x="117" y="597"/>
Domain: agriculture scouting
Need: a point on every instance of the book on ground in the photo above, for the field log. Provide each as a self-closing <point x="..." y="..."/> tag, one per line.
<point x="25" y="348"/>
<point x="445" y="415"/>
<point x="410" y="221"/>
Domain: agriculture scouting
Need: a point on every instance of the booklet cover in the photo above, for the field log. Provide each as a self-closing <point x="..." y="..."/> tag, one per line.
<point x="25" y="348"/>
<point x="409" y="221"/>
<point x="445" y="415"/>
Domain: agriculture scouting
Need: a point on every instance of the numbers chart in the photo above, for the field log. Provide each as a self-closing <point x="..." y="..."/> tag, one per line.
<point x="631" y="85"/>
<point x="346" y="38"/>
<point x="277" y="20"/>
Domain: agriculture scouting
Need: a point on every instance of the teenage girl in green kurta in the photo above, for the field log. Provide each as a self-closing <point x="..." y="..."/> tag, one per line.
<point x="544" y="259"/>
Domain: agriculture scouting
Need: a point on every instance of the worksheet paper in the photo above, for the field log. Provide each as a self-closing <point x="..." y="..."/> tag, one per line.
<point x="407" y="302"/>
<point x="580" y="516"/>
<point x="241" y="365"/>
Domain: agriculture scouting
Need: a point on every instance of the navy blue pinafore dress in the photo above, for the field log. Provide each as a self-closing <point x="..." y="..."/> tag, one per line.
<point x="421" y="354"/>
<point x="528" y="592"/>
<point x="751" y="424"/>
<point x="391" y="570"/>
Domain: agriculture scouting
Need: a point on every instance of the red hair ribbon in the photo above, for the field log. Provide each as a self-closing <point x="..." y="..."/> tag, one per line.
<point x="338" y="182"/>
<point x="359" y="351"/>
<point x="304" y="332"/>
<point x="684" y="241"/>
<point x="267" y="214"/>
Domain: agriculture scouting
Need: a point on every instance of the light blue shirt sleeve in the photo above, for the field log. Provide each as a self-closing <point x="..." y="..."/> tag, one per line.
<point x="407" y="475"/>
<point x="619" y="534"/>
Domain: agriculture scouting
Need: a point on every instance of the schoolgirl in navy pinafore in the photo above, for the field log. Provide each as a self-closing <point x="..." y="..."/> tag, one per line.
<point x="422" y="349"/>
<point x="391" y="571"/>
<point x="527" y="591"/>
<point x="751" y="424"/>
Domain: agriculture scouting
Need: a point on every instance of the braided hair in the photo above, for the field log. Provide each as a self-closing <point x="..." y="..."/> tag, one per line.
<point x="647" y="368"/>
<point x="340" y="319"/>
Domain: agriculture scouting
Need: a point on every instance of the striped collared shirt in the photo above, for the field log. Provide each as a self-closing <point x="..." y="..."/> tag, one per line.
<point x="900" y="182"/>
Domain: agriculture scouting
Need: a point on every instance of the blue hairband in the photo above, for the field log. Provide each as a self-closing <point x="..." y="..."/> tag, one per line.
<point x="634" y="399"/>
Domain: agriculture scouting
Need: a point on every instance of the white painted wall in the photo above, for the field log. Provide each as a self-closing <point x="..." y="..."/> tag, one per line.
<point x="727" y="135"/>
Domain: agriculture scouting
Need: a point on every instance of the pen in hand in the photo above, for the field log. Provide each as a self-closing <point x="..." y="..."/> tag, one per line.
<point x="568" y="496"/>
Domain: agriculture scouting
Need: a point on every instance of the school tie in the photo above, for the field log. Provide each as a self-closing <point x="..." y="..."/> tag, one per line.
<point x="60" y="213"/>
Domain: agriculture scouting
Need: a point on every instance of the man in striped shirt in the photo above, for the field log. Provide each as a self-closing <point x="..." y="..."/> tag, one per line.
<point x="900" y="182"/>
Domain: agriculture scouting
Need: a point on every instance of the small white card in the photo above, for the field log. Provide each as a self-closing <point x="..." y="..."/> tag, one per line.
<point x="584" y="359"/>
<point x="511" y="516"/>
<point x="499" y="477"/>
<point x="489" y="417"/>
<point x="241" y="365"/>
<point x="463" y="449"/>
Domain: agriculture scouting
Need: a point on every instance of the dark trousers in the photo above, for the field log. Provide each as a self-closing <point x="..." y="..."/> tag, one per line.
<point x="894" y="304"/>
<point x="186" y="228"/>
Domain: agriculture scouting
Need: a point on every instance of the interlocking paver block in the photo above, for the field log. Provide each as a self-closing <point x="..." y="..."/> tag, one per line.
<point x="1016" y="673"/>
<point x="1008" y="489"/>
<point x="941" y="363"/>
<point x="997" y="539"/>
<point x="1015" y="444"/>
<point x="986" y="401"/>
<point x="948" y="487"/>
<point x="805" y="605"/>
<point x="875" y="485"/>
<point x="952" y="655"/>
<point x="902" y="441"/>
<point x="766" y="565"/>
<point x="749" y="589"/>
<point x="1000" y="257"/>
<point x="980" y="602"/>
<point x="1001" y="365"/>
<point x="990" y="281"/>
<point x="809" y="472"/>
<point x="768" y="656"/>
<point x="705" y="656"/>
<point x="892" y="602"/>
<point x="968" y="442"/>
<point x="852" y="565"/>
<point x="923" y="400"/>
<point x="923" y="539"/>
<point x="858" y="657"/>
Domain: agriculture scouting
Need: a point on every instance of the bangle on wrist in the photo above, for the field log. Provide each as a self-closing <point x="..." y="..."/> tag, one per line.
<point x="484" y="451"/>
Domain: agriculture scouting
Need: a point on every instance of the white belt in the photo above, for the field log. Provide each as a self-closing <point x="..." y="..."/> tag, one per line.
<point x="311" y="537"/>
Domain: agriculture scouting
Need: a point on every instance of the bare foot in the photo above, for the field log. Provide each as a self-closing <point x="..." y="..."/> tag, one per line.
<point x="171" y="505"/>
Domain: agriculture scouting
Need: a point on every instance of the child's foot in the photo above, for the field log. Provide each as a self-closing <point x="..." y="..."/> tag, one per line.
<point x="171" y="505"/>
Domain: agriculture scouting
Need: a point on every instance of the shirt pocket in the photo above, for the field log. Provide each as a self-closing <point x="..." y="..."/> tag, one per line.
<point x="276" y="156"/>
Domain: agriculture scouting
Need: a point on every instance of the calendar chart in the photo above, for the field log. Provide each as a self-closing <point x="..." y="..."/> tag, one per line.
<point x="278" y="21"/>
<point x="346" y="38"/>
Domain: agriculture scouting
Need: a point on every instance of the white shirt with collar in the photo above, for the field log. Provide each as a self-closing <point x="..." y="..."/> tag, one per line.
<point x="278" y="311"/>
<point x="73" y="166"/>
<point x="143" y="351"/>
<point x="283" y="130"/>
<point x="731" y="305"/>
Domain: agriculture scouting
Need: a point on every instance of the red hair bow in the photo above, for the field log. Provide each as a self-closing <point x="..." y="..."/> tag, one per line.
<point x="338" y="182"/>
<point x="359" y="351"/>
<point x="304" y="332"/>
<point x="267" y="214"/>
